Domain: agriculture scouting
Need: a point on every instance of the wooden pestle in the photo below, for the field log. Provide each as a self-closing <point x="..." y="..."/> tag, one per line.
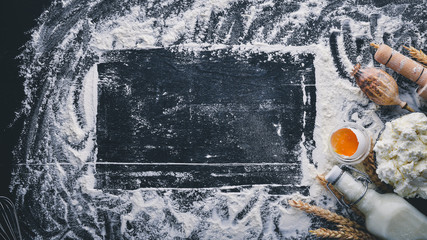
<point x="403" y="65"/>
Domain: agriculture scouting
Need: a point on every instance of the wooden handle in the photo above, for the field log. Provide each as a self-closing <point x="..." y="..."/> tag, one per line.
<point x="405" y="105"/>
<point x="401" y="64"/>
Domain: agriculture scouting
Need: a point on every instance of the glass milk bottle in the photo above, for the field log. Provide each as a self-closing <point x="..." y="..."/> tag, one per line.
<point x="388" y="216"/>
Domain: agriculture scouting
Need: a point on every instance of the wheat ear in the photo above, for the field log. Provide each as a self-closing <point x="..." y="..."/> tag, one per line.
<point x="356" y="232"/>
<point x="376" y="46"/>
<point x="370" y="169"/>
<point x="327" y="233"/>
<point x="324" y="213"/>
<point x="417" y="54"/>
<point x="323" y="182"/>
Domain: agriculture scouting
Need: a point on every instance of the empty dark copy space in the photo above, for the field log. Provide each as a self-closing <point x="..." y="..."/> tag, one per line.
<point x="205" y="119"/>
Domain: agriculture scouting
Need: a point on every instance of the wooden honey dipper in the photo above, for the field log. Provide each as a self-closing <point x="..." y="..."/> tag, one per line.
<point x="403" y="65"/>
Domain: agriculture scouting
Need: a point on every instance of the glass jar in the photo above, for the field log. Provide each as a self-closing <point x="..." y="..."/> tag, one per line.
<point x="349" y="143"/>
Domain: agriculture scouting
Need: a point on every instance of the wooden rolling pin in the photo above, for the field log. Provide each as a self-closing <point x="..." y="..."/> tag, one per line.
<point x="403" y="65"/>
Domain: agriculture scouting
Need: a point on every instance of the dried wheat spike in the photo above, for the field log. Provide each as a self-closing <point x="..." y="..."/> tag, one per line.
<point x="376" y="46"/>
<point x="323" y="182"/>
<point x="324" y="213"/>
<point x="370" y="169"/>
<point x="356" y="232"/>
<point x="417" y="54"/>
<point x="327" y="233"/>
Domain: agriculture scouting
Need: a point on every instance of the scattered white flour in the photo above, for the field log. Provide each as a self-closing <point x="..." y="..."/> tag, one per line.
<point x="402" y="155"/>
<point x="59" y="138"/>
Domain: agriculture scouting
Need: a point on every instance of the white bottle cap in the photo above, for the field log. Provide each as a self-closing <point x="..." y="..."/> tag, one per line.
<point x="334" y="174"/>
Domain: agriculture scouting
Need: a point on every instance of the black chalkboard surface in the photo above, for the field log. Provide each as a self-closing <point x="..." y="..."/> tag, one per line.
<point x="171" y="119"/>
<point x="186" y="119"/>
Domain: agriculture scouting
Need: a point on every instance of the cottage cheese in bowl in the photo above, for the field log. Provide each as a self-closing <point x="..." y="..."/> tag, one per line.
<point x="401" y="154"/>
